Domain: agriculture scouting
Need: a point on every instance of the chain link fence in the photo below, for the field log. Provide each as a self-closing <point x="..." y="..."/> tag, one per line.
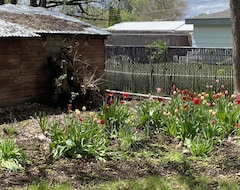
<point x="129" y="69"/>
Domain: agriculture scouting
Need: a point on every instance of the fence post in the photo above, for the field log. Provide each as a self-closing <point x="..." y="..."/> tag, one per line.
<point x="151" y="77"/>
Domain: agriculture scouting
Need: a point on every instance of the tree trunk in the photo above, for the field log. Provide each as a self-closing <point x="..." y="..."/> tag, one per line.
<point x="42" y="3"/>
<point x="33" y="3"/>
<point x="235" y="17"/>
<point x="1" y="2"/>
<point x="14" y="2"/>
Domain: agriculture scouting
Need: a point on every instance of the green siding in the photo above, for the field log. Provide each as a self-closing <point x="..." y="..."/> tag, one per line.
<point x="212" y="36"/>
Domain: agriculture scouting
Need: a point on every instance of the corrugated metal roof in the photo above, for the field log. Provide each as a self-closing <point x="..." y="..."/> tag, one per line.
<point x="8" y="29"/>
<point x="153" y="26"/>
<point x="38" y="20"/>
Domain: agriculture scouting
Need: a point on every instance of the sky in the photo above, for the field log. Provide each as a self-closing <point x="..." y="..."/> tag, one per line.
<point x="197" y="7"/>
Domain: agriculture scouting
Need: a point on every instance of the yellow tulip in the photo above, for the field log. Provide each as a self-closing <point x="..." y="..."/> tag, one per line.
<point x="77" y="112"/>
<point x="91" y="114"/>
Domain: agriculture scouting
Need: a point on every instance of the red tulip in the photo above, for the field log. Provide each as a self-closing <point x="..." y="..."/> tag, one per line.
<point x="238" y="100"/>
<point x="185" y="107"/>
<point x="125" y="95"/>
<point x="69" y="107"/>
<point x="237" y="125"/>
<point x="160" y="99"/>
<point x="196" y="101"/>
<point x="216" y="96"/>
<point x="185" y="92"/>
<point x="184" y="98"/>
<point x="101" y="121"/>
<point x="111" y="101"/>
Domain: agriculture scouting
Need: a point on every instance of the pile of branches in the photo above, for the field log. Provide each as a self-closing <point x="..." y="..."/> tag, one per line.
<point x="74" y="80"/>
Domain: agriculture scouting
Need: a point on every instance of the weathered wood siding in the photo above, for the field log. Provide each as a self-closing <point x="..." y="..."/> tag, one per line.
<point x="91" y="49"/>
<point x="143" y="39"/>
<point x="24" y="72"/>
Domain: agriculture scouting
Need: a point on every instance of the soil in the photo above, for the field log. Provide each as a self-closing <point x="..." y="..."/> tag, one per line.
<point x="224" y="160"/>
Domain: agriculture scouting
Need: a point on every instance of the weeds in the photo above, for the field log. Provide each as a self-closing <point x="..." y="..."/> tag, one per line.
<point x="11" y="157"/>
<point x="42" y="121"/>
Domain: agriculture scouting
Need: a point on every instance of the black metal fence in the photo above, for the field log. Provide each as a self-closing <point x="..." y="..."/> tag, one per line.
<point x="129" y="69"/>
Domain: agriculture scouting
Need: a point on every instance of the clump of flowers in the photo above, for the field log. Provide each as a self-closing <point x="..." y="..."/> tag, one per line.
<point x="198" y="120"/>
<point x="209" y="116"/>
<point x="114" y="112"/>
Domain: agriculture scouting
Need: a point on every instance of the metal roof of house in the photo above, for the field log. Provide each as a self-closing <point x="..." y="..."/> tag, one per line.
<point x="32" y="21"/>
<point x="222" y="17"/>
<point x="153" y="26"/>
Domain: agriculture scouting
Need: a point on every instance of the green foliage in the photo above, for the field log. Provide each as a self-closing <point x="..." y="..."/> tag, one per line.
<point x="114" y="15"/>
<point x="76" y="139"/>
<point x="200" y="120"/>
<point x="42" y="121"/>
<point x="199" y="146"/>
<point x="127" y="136"/>
<point x="45" y="185"/>
<point x="149" y="115"/>
<point x="114" y="115"/>
<point x="156" y="51"/>
<point x="10" y="130"/>
<point x="11" y="157"/>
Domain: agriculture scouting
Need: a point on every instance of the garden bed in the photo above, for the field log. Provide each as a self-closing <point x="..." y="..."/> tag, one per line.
<point x="160" y="155"/>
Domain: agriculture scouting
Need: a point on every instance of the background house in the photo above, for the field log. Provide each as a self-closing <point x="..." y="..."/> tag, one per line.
<point x="212" y="30"/>
<point x="173" y="33"/>
<point x="28" y="36"/>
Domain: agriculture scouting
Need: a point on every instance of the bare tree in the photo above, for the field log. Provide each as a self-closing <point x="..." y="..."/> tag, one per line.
<point x="33" y="3"/>
<point x="13" y="2"/>
<point x="235" y="17"/>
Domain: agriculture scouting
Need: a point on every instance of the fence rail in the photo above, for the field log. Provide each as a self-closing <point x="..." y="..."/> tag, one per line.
<point x="129" y="69"/>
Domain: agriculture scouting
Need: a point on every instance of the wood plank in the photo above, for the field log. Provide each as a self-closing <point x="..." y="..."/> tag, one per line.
<point x="83" y="49"/>
<point x="16" y="101"/>
<point x="23" y="93"/>
<point x="22" y="86"/>
<point x="9" y="72"/>
<point x="7" y="65"/>
<point x="33" y="71"/>
<point x="12" y="80"/>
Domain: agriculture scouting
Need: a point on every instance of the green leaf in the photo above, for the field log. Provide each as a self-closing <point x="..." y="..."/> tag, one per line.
<point x="11" y="165"/>
<point x="70" y="143"/>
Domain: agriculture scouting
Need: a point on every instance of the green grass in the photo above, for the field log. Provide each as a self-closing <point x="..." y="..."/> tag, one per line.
<point x="148" y="183"/>
<point x="168" y="183"/>
<point x="10" y="130"/>
<point x="47" y="185"/>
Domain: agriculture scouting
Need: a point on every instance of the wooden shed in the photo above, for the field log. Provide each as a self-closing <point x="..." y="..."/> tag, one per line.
<point x="28" y="37"/>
